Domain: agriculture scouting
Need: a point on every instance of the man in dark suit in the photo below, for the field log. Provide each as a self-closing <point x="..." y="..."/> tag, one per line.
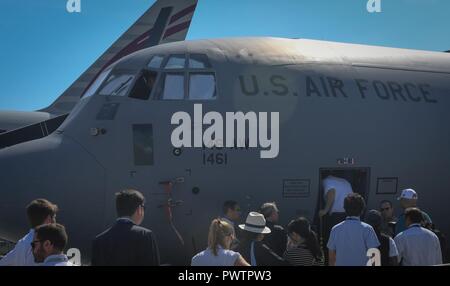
<point x="277" y="238"/>
<point x="126" y="243"/>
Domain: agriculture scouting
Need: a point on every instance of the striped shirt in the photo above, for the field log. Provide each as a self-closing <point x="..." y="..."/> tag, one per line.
<point x="301" y="256"/>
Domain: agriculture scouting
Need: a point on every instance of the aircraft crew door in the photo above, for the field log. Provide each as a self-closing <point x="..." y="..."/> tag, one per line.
<point x="359" y="178"/>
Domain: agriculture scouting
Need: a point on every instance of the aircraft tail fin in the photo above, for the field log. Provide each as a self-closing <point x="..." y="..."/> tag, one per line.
<point x="166" y="21"/>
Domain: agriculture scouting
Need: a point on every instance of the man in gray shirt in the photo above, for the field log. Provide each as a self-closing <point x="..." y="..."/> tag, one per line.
<point x="417" y="246"/>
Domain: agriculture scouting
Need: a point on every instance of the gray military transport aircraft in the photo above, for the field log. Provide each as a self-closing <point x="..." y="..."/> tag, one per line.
<point x="194" y="123"/>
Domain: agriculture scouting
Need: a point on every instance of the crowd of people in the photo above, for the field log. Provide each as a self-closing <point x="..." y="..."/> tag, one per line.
<point x="409" y="240"/>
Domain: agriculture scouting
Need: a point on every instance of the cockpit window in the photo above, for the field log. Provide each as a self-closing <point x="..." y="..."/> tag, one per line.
<point x="155" y="62"/>
<point x="117" y="84"/>
<point x="176" y="62"/>
<point x="198" y="61"/>
<point x="172" y="86"/>
<point x="93" y="88"/>
<point x="186" y="77"/>
<point x="144" y="85"/>
<point x="202" y="86"/>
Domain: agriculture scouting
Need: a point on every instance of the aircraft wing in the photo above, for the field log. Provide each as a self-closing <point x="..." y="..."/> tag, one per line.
<point x="166" y="21"/>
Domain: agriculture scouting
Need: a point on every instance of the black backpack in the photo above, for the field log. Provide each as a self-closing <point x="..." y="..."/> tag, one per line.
<point x="384" y="249"/>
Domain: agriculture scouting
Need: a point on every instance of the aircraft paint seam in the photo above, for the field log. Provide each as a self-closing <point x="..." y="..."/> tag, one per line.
<point x="398" y="68"/>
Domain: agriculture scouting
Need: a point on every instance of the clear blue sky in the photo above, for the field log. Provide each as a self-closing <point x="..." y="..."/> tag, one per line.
<point x="43" y="49"/>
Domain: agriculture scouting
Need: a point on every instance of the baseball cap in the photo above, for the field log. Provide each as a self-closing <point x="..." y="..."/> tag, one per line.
<point x="408" y="194"/>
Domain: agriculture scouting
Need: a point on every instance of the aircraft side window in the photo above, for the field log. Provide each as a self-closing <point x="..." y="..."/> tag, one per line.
<point x="117" y="84"/>
<point x="155" y="62"/>
<point x="93" y="88"/>
<point x="199" y="61"/>
<point x="202" y="86"/>
<point x="171" y="86"/>
<point x="143" y="144"/>
<point x="144" y="85"/>
<point x="176" y="62"/>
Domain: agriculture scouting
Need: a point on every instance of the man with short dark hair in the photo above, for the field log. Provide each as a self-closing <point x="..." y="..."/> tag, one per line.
<point x="48" y="245"/>
<point x="351" y="239"/>
<point x="232" y="214"/>
<point x="277" y="238"/>
<point x="389" y="220"/>
<point x="417" y="246"/>
<point x="126" y="243"/>
<point x="39" y="212"/>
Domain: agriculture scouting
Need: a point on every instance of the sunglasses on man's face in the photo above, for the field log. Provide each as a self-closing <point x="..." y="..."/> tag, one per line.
<point x="385" y="209"/>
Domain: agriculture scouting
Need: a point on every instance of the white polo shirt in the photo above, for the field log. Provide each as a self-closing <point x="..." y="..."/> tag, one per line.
<point x="342" y="187"/>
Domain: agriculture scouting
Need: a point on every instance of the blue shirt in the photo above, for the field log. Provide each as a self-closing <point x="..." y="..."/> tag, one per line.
<point x="351" y="239"/>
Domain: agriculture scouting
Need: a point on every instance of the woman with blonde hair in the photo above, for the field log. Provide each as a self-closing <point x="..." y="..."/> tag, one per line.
<point x="218" y="253"/>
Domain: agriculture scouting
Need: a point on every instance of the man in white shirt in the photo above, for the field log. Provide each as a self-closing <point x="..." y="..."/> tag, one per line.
<point x="48" y="245"/>
<point x="335" y="191"/>
<point x="39" y="212"/>
<point x="417" y="246"/>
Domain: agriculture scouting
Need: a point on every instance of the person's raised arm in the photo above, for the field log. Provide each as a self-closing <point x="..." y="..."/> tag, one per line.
<point x="331" y="195"/>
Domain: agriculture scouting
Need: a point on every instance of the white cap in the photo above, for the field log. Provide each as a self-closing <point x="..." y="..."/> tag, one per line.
<point x="256" y="223"/>
<point x="408" y="194"/>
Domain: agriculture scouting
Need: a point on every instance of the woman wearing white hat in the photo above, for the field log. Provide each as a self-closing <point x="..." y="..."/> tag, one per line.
<point x="251" y="247"/>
